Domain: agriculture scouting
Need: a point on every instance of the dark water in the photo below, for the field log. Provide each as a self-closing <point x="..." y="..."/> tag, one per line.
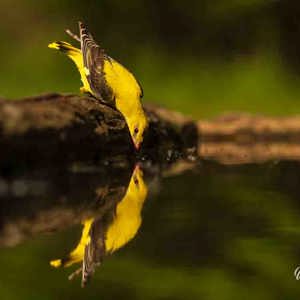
<point x="207" y="232"/>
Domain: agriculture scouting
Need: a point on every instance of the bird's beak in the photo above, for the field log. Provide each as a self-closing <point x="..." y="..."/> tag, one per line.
<point x="136" y="168"/>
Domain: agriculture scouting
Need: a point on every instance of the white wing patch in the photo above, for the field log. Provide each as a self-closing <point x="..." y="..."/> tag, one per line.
<point x="86" y="71"/>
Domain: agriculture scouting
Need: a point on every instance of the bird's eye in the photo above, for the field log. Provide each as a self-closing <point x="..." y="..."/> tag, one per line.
<point x="136" y="181"/>
<point x="136" y="131"/>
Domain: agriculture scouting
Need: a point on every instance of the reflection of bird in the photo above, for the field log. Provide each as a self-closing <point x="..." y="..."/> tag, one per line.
<point x="108" y="233"/>
<point x="107" y="80"/>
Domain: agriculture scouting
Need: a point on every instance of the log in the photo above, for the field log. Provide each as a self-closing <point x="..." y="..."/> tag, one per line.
<point x="243" y="138"/>
<point x="59" y="129"/>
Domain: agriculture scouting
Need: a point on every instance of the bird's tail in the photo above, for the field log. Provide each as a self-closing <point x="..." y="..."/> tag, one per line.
<point x="74" y="54"/>
<point x="65" y="47"/>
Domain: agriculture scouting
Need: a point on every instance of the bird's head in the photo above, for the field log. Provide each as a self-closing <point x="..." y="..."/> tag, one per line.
<point x="128" y="94"/>
<point x="137" y="123"/>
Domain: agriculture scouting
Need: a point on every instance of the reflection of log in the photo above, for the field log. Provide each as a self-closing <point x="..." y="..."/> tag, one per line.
<point x="46" y="200"/>
<point x="50" y="200"/>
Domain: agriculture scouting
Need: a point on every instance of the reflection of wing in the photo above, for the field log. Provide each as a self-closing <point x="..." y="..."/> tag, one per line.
<point x="94" y="252"/>
<point x="93" y="61"/>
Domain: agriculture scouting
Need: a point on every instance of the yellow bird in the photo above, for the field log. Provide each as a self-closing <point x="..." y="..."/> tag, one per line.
<point x="101" y="237"/>
<point x="107" y="80"/>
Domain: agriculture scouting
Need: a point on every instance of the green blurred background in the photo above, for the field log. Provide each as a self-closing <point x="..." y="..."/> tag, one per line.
<point x="199" y="57"/>
<point x="236" y="235"/>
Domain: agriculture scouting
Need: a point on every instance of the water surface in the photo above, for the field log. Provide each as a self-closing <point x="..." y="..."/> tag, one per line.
<point x="196" y="231"/>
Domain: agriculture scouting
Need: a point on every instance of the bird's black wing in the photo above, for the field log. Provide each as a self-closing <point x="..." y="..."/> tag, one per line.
<point x="93" y="61"/>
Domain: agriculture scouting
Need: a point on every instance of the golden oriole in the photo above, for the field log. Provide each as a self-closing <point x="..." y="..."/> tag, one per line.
<point x="105" y="235"/>
<point x="107" y="80"/>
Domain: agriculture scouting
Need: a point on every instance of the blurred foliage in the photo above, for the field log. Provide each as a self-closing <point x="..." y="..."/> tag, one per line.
<point x="199" y="57"/>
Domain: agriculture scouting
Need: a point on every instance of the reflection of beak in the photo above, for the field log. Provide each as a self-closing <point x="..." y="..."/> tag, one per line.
<point x="137" y="146"/>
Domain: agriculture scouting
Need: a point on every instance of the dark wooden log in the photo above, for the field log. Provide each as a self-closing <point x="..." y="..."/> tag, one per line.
<point x="58" y="129"/>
